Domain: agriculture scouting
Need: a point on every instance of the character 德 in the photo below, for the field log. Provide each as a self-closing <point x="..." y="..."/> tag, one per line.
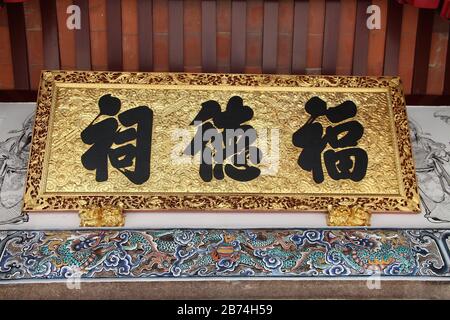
<point x="225" y="141"/>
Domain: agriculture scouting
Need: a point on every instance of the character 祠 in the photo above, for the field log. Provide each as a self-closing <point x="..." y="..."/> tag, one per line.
<point x="135" y="125"/>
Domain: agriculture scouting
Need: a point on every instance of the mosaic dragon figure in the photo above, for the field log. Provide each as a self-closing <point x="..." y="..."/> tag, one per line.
<point x="207" y="253"/>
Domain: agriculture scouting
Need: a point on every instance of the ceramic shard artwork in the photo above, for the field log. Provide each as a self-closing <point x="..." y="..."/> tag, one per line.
<point x="220" y="142"/>
<point x="433" y="141"/>
<point x="42" y="255"/>
<point x="244" y="254"/>
<point x="427" y="123"/>
<point x="16" y="124"/>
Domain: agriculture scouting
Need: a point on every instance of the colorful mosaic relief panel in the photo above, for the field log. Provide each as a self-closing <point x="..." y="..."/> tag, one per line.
<point x="176" y="253"/>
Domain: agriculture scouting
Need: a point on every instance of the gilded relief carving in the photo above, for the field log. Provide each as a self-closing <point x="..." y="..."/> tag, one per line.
<point x="68" y="102"/>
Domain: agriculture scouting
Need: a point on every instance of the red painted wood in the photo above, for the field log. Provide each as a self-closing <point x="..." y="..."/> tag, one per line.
<point x="238" y="36"/>
<point x="361" y="47"/>
<point x="114" y="34"/>
<point x="422" y="52"/>
<point x="209" y="27"/>
<point x="50" y="34"/>
<point x="393" y="33"/>
<point x="145" y="34"/>
<point x="270" y="37"/>
<point x="300" y="37"/>
<point x="82" y="37"/>
<point x="330" y="37"/>
<point x="18" y="38"/>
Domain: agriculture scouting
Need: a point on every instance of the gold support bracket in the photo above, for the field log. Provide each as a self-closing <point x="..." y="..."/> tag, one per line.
<point x="346" y="215"/>
<point x="107" y="216"/>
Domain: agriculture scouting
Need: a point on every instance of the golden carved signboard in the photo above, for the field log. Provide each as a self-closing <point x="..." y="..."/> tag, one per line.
<point x="174" y="141"/>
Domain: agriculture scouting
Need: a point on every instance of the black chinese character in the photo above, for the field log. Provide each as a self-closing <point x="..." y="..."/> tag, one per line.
<point x="225" y="142"/>
<point x="103" y="134"/>
<point x="349" y="163"/>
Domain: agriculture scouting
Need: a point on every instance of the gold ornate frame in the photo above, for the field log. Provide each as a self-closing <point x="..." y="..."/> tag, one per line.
<point x="36" y="200"/>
